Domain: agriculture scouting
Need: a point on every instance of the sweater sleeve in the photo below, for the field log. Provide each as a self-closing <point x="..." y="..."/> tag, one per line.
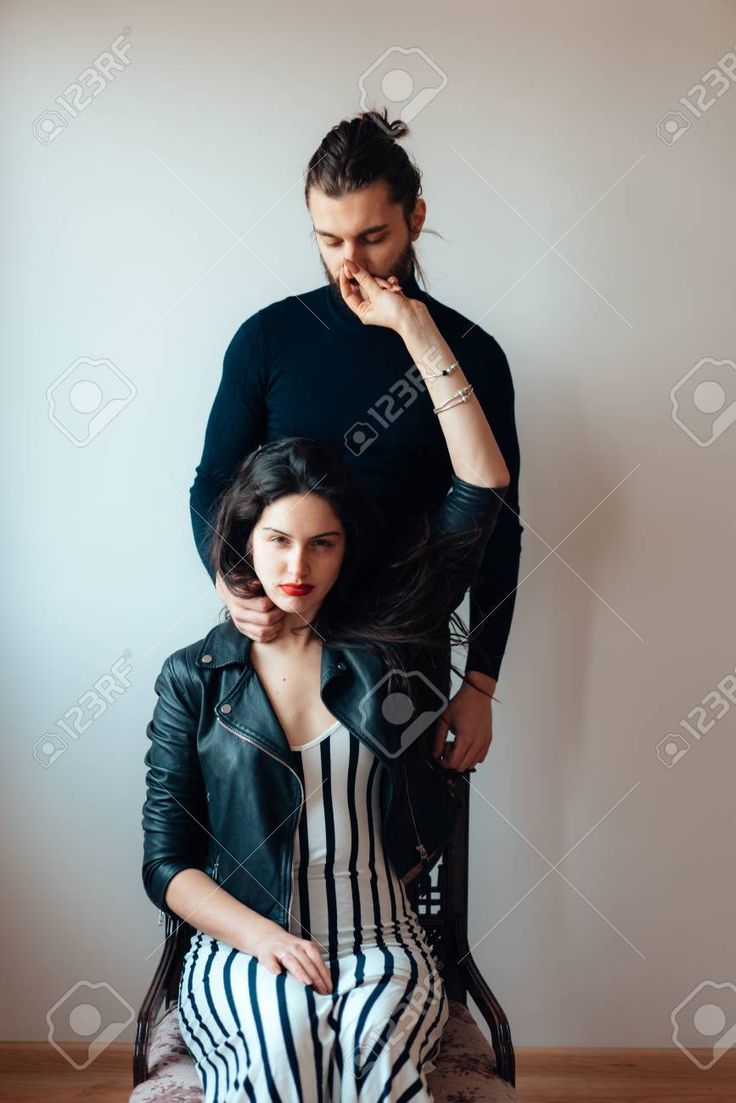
<point x="493" y="592"/>
<point x="235" y="428"/>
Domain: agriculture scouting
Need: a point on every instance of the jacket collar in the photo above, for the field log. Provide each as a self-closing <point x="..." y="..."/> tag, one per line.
<point x="224" y="645"/>
<point x="357" y="699"/>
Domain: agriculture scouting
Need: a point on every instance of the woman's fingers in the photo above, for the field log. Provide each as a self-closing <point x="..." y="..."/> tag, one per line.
<point x="349" y="293"/>
<point x="292" y="963"/>
<point x="305" y="969"/>
<point x="321" y="965"/>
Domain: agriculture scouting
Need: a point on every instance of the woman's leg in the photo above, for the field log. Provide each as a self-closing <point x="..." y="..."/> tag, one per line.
<point x="253" y="1035"/>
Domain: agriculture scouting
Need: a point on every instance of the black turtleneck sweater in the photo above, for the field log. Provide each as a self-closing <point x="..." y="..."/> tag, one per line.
<point x="307" y="366"/>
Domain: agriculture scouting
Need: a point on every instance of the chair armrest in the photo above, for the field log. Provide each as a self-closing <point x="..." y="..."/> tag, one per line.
<point x="158" y="990"/>
<point x="488" y="1005"/>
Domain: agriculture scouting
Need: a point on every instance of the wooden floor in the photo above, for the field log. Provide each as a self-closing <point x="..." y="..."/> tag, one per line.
<point x="31" y="1072"/>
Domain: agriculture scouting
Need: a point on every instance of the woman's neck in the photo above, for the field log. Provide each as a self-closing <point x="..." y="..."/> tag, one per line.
<point x="290" y="643"/>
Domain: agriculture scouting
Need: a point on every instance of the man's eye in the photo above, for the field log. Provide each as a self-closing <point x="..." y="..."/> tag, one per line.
<point x="377" y="241"/>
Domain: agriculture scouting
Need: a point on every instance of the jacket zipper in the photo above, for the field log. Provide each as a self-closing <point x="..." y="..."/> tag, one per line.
<point x="420" y="845"/>
<point x="255" y="743"/>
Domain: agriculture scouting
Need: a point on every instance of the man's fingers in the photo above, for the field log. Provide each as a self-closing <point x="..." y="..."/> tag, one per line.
<point x="245" y="615"/>
<point x="440" y="735"/>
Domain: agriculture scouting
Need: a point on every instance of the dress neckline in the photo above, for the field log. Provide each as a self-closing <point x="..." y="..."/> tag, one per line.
<point x="318" y="738"/>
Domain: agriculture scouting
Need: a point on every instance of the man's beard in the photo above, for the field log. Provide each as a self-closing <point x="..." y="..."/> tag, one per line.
<point x="402" y="270"/>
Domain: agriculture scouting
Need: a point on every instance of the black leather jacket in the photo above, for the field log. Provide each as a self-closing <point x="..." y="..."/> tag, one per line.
<point x="222" y="793"/>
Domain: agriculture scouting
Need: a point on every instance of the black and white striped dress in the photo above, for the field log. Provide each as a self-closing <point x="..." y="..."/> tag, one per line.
<point x="255" y="1035"/>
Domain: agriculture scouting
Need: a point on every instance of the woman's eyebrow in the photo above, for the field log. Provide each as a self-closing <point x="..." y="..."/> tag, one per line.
<point x="333" y="532"/>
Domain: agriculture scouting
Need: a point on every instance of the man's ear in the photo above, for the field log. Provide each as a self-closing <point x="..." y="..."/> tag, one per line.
<point x="417" y="217"/>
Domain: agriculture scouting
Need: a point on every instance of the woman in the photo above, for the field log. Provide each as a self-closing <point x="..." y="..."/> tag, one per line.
<point x="288" y="800"/>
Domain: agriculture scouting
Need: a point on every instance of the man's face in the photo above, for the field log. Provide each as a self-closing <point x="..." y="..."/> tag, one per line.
<point x="364" y="227"/>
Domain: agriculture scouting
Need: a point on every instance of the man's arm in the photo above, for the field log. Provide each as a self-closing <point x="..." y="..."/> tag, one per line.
<point x="236" y="427"/>
<point x="493" y="594"/>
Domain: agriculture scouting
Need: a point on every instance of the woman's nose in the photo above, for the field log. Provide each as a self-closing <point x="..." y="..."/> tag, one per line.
<point x="299" y="565"/>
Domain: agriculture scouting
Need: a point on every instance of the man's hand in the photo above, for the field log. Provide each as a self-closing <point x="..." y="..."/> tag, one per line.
<point x="256" y="617"/>
<point x="470" y="715"/>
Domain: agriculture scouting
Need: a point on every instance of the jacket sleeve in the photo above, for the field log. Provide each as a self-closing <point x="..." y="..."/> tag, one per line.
<point x="175" y="820"/>
<point x="235" y="428"/>
<point x="465" y="509"/>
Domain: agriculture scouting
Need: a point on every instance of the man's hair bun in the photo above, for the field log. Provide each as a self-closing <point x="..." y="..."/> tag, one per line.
<point x="379" y="119"/>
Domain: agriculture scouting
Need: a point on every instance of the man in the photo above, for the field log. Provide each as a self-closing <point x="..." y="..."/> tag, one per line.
<point x="306" y="366"/>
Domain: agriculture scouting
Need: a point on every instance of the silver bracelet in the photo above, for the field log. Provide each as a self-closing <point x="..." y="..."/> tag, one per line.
<point x="439" y="374"/>
<point x="461" y="396"/>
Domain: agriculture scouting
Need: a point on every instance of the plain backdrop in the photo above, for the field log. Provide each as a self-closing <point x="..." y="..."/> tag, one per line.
<point x="593" y="236"/>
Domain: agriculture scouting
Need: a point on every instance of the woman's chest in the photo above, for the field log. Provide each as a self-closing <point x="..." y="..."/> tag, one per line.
<point x="293" y="692"/>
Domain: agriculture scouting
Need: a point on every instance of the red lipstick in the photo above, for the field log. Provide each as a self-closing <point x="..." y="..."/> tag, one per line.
<point x="296" y="591"/>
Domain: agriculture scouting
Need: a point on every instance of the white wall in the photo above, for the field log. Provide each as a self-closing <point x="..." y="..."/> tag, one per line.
<point x="121" y="238"/>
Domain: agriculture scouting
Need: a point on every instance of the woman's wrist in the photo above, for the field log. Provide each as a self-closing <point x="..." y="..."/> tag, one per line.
<point x="417" y="326"/>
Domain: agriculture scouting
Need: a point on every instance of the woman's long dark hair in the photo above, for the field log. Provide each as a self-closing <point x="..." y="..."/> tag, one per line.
<point x="392" y="593"/>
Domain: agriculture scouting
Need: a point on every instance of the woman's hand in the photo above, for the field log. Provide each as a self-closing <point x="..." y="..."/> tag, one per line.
<point x="376" y="301"/>
<point x="299" y="956"/>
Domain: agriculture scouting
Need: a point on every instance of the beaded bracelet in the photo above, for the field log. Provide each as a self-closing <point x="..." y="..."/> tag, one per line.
<point x="439" y="374"/>
<point x="461" y="396"/>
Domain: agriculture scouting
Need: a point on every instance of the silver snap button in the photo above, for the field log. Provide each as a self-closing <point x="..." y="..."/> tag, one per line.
<point x="227" y="708"/>
<point x="341" y="666"/>
<point x="206" y="658"/>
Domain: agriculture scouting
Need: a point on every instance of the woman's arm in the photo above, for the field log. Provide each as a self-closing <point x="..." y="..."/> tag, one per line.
<point x="175" y="818"/>
<point x="201" y="902"/>
<point x="474" y="453"/>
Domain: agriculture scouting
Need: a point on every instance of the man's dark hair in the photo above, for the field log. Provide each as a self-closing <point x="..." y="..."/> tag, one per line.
<point x="357" y="152"/>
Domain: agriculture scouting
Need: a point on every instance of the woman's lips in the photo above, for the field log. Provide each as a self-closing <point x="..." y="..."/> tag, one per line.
<point x="295" y="591"/>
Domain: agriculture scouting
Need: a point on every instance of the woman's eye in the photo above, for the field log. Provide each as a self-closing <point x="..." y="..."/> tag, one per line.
<point x="324" y="543"/>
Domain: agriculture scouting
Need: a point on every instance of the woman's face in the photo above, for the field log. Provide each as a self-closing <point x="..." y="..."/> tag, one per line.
<point x="298" y="545"/>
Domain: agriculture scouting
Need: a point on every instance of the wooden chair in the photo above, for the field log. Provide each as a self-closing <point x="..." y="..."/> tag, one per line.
<point x="466" y="1068"/>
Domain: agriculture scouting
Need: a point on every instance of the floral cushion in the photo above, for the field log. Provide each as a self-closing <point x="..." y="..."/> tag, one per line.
<point x="464" y="1073"/>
